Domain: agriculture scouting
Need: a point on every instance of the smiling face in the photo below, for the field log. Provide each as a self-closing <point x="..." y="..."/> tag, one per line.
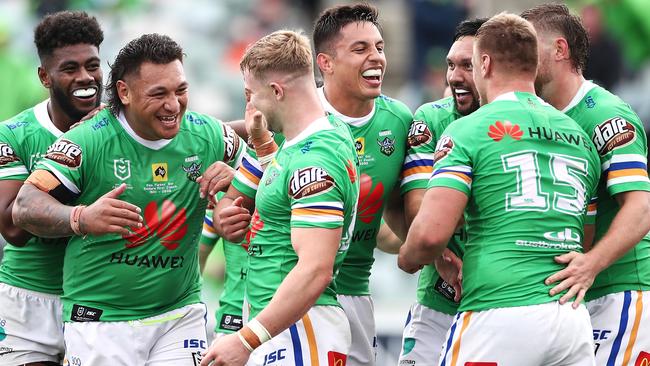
<point x="155" y="99"/>
<point x="358" y="60"/>
<point x="459" y="76"/>
<point x="74" y="77"/>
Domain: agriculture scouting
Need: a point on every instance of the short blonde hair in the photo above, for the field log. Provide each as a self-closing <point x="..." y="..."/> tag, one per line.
<point x="511" y="42"/>
<point x="284" y="51"/>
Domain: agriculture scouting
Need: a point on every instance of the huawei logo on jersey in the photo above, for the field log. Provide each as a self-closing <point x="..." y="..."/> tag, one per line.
<point x="7" y="154"/>
<point x="352" y="171"/>
<point x="370" y="200"/>
<point x="499" y="130"/>
<point x="256" y="225"/>
<point x="166" y="223"/>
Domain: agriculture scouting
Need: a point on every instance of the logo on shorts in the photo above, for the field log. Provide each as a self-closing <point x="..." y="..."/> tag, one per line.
<point x="336" y="358"/>
<point x="196" y="358"/>
<point x="612" y="134"/>
<point x="122" y="168"/>
<point x="159" y="172"/>
<point x="499" y="130"/>
<point x="444" y="146"/>
<point x="165" y="222"/>
<point x="643" y="359"/>
<point x="231" y="143"/>
<point x="7" y="154"/>
<point x="310" y="181"/>
<point x="65" y="152"/>
<point x="85" y="314"/>
<point x="419" y="134"/>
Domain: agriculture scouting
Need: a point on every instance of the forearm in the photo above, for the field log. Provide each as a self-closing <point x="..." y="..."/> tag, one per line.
<point x="387" y="241"/>
<point x="41" y="214"/>
<point x="394" y="215"/>
<point x="12" y="233"/>
<point x="419" y="248"/>
<point x="412" y="202"/>
<point x="295" y="296"/>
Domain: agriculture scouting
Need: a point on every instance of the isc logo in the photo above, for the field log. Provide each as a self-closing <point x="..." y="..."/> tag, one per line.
<point x="601" y="334"/>
<point x="194" y="343"/>
<point x="274" y="356"/>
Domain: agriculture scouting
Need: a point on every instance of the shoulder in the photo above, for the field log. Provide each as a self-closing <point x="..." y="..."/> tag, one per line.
<point x="97" y="129"/>
<point x="394" y="107"/>
<point x="438" y="114"/>
<point x="21" y="124"/>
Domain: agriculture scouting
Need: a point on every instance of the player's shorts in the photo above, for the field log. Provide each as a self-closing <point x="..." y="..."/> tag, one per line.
<point x="537" y="335"/>
<point x="424" y="333"/>
<point x="177" y="337"/>
<point x="31" y="328"/>
<point x="321" y="337"/>
<point x="621" y="324"/>
<point x="360" y="311"/>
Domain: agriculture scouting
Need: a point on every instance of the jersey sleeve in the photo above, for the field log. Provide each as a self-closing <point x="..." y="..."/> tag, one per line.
<point x="621" y="143"/>
<point x="234" y="147"/>
<point x="453" y="161"/>
<point x="209" y="235"/>
<point x="12" y="165"/>
<point x="418" y="163"/>
<point x="65" y="160"/>
<point x="316" y="189"/>
<point x="248" y="175"/>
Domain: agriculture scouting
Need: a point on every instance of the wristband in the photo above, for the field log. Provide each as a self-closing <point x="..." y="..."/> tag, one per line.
<point x="249" y="338"/>
<point x="264" y="160"/>
<point x="259" y="330"/>
<point x="75" y="216"/>
<point x="243" y="341"/>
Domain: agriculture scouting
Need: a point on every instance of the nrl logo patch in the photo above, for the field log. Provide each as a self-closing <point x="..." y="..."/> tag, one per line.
<point x="65" y="152"/>
<point x="193" y="171"/>
<point x="122" y="168"/>
<point x="7" y="154"/>
<point x="310" y="181"/>
<point x="612" y="134"/>
<point x="387" y="146"/>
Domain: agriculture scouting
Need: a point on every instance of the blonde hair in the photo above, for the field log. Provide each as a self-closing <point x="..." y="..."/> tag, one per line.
<point x="283" y="51"/>
<point x="511" y="42"/>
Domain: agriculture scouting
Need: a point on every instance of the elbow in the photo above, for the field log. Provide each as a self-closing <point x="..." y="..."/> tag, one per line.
<point x="321" y="278"/>
<point x="430" y="241"/>
<point x="17" y="211"/>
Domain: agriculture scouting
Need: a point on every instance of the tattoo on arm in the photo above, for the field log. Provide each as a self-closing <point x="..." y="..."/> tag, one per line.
<point x="42" y="215"/>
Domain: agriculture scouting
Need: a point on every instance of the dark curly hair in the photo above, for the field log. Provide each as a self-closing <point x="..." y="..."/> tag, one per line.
<point x="557" y="18"/>
<point x="155" y="48"/>
<point x="468" y="28"/>
<point x="66" y="28"/>
<point x="329" y="23"/>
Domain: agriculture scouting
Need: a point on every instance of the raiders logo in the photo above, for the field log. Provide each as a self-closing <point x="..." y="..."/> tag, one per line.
<point x="310" y="181"/>
<point x="443" y="148"/>
<point x="65" y="152"/>
<point x="612" y="134"/>
<point x="7" y="154"/>
<point x="419" y="134"/>
<point x="231" y="141"/>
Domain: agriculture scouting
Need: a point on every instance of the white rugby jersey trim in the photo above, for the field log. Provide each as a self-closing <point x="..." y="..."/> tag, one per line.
<point x="153" y="145"/>
<point x="354" y="121"/>
<point x="320" y="124"/>
<point x="16" y="170"/>
<point x="510" y="96"/>
<point x="40" y="112"/>
<point x="582" y="91"/>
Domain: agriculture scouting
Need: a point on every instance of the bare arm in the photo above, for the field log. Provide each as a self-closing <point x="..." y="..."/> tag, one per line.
<point x="41" y="214"/>
<point x="442" y="209"/>
<point x="240" y="128"/>
<point x="394" y="214"/>
<point x="412" y="202"/>
<point x="204" y="253"/>
<point x="387" y="241"/>
<point x="12" y="233"/>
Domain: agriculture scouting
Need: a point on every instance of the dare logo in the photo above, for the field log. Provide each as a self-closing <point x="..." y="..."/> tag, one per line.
<point x="499" y="130"/>
<point x="65" y="152"/>
<point x="7" y="154"/>
<point x="443" y="148"/>
<point x="336" y="358"/>
<point x="231" y="142"/>
<point x="165" y="222"/>
<point x="309" y="181"/>
<point x="612" y="134"/>
<point x="419" y="134"/>
<point x="643" y="359"/>
<point x="370" y="199"/>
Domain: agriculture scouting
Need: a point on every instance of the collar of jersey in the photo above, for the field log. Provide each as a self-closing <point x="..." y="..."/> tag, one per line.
<point x="320" y="124"/>
<point x="40" y="112"/>
<point x="582" y="91"/>
<point x="354" y="121"/>
<point x="153" y="145"/>
<point x="512" y="97"/>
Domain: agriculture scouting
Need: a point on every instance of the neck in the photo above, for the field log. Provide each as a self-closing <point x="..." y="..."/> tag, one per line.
<point x="562" y="88"/>
<point x="348" y="105"/>
<point x="300" y="110"/>
<point x="59" y="118"/>
<point x="130" y="118"/>
<point x="506" y="85"/>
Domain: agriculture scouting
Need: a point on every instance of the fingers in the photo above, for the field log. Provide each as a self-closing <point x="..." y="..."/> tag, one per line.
<point x="216" y="178"/>
<point x="579" y="298"/>
<point x="115" y="192"/>
<point x="557" y="276"/>
<point x="566" y="258"/>
<point x="238" y="202"/>
<point x="207" y="358"/>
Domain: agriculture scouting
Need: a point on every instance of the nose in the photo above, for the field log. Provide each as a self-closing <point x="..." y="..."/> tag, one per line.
<point x="84" y="76"/>
<point x="455" y="75"/>
<point x="377" y="56"/>
<point x="172" y="104"/>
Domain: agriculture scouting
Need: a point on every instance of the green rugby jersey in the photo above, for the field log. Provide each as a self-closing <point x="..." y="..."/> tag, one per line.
<point x="429" y="122"/>
<point x="380" y="142"/>
<point x="528" y="172"/>
<point x="620" y="140"/>
<point x="37" y="266"/>
<point x="311" y="183"/>
<point x="154" y="269"/>
<point x="231" y="301"/>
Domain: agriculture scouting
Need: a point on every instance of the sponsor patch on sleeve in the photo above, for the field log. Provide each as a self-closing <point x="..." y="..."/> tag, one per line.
<point x="7" y="154"/>
<point x="65" y="152"/>
<point x="231" y="143"/>
<point x="444" y="146"/>
<point x="419" y="134"/>
<point x="612" y="134"/>
<point x="310" y="181"/>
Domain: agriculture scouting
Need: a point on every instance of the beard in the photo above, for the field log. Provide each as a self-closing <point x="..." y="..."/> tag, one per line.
<point x="62" y="99"/>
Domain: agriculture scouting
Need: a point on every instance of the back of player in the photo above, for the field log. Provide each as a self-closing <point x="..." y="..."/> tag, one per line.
<point x="529" y="172"/>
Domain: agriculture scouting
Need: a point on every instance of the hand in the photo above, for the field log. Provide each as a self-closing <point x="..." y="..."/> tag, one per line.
<point x="233" y="221"/>
<point x="90" y="115"/>
<point x="577" y="277"/>
<point x="404" y="263"/>
<point x="110" y="215"/>
<point x="215" y="179"/>
<point x="255" y="123"/>
<point x="450" y="268"/>
<point x="226" y="351"/>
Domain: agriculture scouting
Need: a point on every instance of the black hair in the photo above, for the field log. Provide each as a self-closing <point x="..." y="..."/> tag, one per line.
<point x="329" y="23"/>
<point x="468" y="28"/>
<point x="66" y="28"/>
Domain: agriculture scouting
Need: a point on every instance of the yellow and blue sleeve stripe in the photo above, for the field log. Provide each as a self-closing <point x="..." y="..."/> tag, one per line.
<point x="249" y="172"/>
<point x="417" y="167"/>
<point x="318" y="212"/>
<point x="625" y="168"/>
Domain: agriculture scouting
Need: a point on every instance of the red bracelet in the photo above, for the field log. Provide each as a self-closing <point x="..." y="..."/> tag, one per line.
<point x="75" y="215"/>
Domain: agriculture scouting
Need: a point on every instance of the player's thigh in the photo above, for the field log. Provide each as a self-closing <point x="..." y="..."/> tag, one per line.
<point x="360" y="313"/>
<point x="30" y="327"/>
<point x="321" y="337"/>
<point x="103" y="344"/>
<point x="180" y="341"/>
<point x="424" y="334"/>
<point x="621" y="330"/>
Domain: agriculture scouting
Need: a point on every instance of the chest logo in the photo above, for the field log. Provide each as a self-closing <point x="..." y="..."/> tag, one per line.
<point x="360" y="145"/>
<point x="122" y="168"/>
<point x="193" y="171"/>
<point x="386" y="146"/>
<point x="165" y="222"/>
<point x="65" y="152"/>
<point x="159" y="172"/>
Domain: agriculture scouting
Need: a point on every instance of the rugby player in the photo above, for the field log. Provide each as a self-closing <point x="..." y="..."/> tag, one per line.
<point x="31" y="273"/>
<point x="525" y="198"/>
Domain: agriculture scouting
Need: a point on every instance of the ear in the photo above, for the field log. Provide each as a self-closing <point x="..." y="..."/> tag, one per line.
<point x="123" y="92"/>
<point x="278" y="90"/>
<point x="44" y="77"/>
<point x="486" y="65"/>
<point x="324" y="62"/>
<point x="562" y="51"/>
